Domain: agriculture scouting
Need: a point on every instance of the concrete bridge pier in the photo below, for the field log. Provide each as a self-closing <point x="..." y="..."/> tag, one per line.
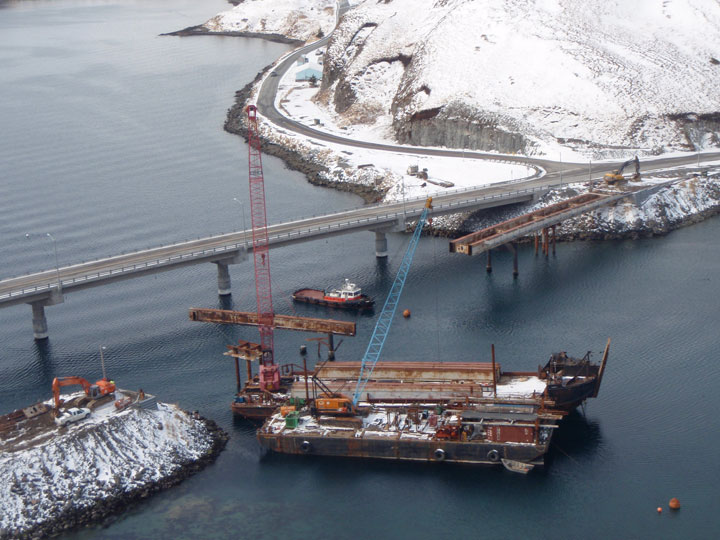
<point x="39" y="322"/>
<point x="380" y="244"/>
<point x="224" y="285"/>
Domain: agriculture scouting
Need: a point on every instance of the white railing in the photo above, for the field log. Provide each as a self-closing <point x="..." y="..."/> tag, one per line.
<point x="273" y="238"/>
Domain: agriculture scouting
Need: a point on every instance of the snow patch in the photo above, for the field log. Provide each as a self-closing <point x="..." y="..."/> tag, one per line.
<point x="95" y="460"/>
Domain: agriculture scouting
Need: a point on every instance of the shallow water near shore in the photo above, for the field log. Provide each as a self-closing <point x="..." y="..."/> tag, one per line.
<point x="112" y="141"/>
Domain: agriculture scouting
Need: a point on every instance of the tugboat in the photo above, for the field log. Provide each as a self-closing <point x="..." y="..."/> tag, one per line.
<point x="349" y="296"/>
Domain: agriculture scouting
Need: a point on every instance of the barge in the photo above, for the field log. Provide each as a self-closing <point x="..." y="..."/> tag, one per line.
<point x="511" y="434"/>
<point x="564" y="382"/>
<point x="349" y="296"/>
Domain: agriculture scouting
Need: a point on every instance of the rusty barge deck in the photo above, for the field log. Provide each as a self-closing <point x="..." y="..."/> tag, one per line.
<point x="563" y="383"/>
<point x="493" y="434"/>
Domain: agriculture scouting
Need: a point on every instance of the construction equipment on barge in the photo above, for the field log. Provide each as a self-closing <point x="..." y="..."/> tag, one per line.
<point x="482" y="432"/>
<point x="253" y="401"/>
<point x="565" y="381"/>
<point x="515" y="435"/>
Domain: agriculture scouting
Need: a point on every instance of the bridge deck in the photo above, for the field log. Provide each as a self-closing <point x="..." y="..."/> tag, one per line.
<point x="231" y="247"/>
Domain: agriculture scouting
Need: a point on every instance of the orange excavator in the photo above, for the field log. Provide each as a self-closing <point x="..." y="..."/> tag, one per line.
<point x="93" y="391"/>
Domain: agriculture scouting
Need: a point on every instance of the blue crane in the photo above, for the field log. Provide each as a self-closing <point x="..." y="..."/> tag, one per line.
<point x="382" y="327"/>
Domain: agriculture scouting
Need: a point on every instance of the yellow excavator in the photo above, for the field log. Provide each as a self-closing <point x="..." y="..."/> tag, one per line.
<point x="616" y="176"/>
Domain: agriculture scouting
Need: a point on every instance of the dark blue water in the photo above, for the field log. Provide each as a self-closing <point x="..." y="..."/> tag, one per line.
<point x="112" y="140"/>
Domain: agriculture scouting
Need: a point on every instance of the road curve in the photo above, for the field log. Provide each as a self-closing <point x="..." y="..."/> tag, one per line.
<point x="266" y="107"/>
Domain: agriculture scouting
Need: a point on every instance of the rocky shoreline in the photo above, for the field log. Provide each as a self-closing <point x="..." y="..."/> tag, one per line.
<point x="591" y="227"/>
<point x="200" y="30"/>
<point x="122" y="494"/>
<point x="315" y="173"/>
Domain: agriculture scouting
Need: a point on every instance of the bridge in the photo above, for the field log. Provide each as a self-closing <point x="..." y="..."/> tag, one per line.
<point x="48" y="287"/>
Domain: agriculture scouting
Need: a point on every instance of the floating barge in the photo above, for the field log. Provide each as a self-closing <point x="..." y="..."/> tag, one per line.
<point x="564" y="380"/>
<point x="565" y="383"/>
<point x="511" y="434"/>
<point x="349" y="296"/>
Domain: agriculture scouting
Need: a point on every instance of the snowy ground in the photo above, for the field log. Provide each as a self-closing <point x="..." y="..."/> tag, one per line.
<point x="94" y="460"/>
<point x="297" y="19"/>
<point x="598" y="76"/>
<point x="386" y="172"/>
<point x="295" y="100"/>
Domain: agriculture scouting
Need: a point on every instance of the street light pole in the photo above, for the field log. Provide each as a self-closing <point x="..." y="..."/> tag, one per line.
<point x="560" y="169"/>
<point x="102" y="361"/>
<point x="57" y="265"/>
<point x="242" y="207"/>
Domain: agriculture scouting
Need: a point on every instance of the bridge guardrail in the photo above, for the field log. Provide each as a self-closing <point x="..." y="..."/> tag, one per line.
<point x="227" y="248"/>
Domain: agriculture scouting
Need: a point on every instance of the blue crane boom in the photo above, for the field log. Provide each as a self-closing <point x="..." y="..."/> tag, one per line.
<point x="382" y="327"/>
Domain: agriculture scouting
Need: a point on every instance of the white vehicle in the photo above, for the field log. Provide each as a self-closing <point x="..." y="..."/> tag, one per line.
<point x="72" y="415"/>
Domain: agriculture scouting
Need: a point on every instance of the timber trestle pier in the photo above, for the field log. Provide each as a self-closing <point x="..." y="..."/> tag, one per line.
<point x="539" y="223"/>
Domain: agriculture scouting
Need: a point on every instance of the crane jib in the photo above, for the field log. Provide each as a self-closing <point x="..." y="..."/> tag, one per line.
<point x="382" y="327"/>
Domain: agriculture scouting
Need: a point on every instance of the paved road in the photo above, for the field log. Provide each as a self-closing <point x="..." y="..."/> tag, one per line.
<point x="377" y="217"/>
<point x="266" y="106"/>
<point x="228" y="247"/>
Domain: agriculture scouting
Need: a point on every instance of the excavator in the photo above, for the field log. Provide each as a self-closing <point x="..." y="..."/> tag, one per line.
<point x="93" y="391"/>
<point x="616" y="176"/>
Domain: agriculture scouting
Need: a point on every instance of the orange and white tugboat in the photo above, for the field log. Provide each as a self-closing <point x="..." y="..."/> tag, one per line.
<point x="349" y="296"/>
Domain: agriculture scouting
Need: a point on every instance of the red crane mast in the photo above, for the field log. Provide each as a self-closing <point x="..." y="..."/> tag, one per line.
<point x="269" y="373"/>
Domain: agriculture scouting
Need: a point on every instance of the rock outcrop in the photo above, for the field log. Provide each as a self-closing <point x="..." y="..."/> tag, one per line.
<point x="512" y="76"/>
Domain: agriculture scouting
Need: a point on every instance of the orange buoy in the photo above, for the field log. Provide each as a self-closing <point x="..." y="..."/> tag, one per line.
<point x="674" y="504"/>
<point x="406" y="313"/>
<point x="659" y="509"/>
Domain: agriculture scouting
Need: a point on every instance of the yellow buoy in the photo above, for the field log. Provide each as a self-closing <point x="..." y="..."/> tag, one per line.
<point x="406" y="313"/>
<point x="674" y="504"/>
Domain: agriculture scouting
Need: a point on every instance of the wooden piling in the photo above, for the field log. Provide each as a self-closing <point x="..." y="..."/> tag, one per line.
<point x="307" y="390"/>
<point x="249" y="369"/>
<point x="553" y="239"/>
<point x="536" y="243"/>
<point x="489" y="262"/>
<point x="492" y="349"/>
<point x="237" y="372"/>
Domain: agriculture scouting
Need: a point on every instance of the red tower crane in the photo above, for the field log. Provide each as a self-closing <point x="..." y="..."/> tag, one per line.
<point x="269" y="372"/>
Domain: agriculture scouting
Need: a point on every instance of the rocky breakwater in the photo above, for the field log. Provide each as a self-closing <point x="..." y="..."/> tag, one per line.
<point x="89" y="472"/>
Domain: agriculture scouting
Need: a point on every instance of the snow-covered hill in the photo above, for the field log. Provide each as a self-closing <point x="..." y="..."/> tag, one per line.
<point x="574" y="80"/>
<point x="512" y="75"/>
<point x="295" y="19"/>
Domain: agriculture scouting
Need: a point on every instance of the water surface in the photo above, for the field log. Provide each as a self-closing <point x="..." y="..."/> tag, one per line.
<point x="112" y="140"/>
